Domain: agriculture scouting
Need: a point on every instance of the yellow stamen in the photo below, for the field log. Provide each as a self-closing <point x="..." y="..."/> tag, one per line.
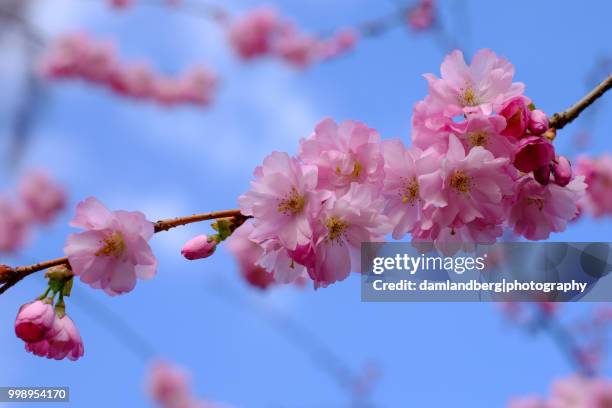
<point x="461" y="181"/>
<point x="292" y="204"/>
<point x="335" y="228"/>
<point x="411" y="192"/>
<point x="356" y="170"/>
<point x="113" y="245"/>
<point x="468" y="97"/>
<point x="479" y="138"/>
<point x="537" y="201"/>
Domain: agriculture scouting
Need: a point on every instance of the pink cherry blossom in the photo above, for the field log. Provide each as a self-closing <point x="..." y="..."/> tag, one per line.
<point x="248" y="253"/>
<point x="297" y="49"/>
<point x="482" y="86"/>
<point x="345" y="153"/>
<point x="517" y="114"/>
<point x="251" y="35"/>
<point x="570" y="392"/>
<point x="458" y="237"/>
<point x="340" y="43"/>
<point x="430" y="128"/>
<point x="41" y="196"/>
<point x="61" y="341"/>
<point x="422" y="16"/>
<point x="282" y="200"/>
<point x="473" y="186"/>
<point x="286" y="266"/>
<point x="345" y="223"/>
<point x="598" y="176"/>
<point x="601" y="393"/>
<point x="14" y="225"/>
<point x="120" y="4"/>
<point x="532" y="153"/>
<point x="540" y="210"/>
<point x="402" y="183"/>
<point x="168" y="385"/>
<point x="485" y="131"/>
<point x="113" y="252"/>
<point x="34" y="320"/>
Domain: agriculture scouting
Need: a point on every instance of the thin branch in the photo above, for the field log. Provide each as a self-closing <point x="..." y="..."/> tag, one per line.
<point x="560" y="119"/>
<point x="11" y="276"/>
<point x="165" y="225"/>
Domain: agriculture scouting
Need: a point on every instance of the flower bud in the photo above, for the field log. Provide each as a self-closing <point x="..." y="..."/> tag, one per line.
<point x="61" y="341"/>
<point x="542" y="174"/>
<point x="516" y="113"/>
<point x="538" y="122"/>
<point x="199" y="247"/>
<point x="34" y="320"/>
<point x="562" y="169"/>
<point x="533" y="152"/>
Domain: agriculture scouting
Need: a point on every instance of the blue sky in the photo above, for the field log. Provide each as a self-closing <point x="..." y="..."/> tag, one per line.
<point x="185" y="160"/>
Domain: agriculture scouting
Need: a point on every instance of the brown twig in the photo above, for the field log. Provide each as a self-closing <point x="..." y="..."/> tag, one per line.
<point x="560" y="119"/>
<point x="9" y="277"/>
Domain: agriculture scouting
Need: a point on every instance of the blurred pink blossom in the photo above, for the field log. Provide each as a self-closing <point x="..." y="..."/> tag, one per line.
<point x="14" y="225"/>
<point x="77" y="56"/>
<point x="42" y="197"/>
<point x="422" y="16"/>
<point x="598" y="177"/>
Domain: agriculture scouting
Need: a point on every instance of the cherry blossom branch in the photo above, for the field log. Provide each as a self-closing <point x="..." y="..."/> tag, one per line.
<point x="11" y="276"/>
<point x="560" y="119"/>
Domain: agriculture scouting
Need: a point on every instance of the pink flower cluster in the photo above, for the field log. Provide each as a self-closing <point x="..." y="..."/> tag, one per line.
<point x="47" y="334"/>
<point x="469" y="174"/>
<point x="496" y="163"/>
<point x="81" y="57"/>
<point x="114" y="249"/>
<point x="311" y="212"/>
<point x="598" y="176"/>
<point x="170" y="387"/>
<point x="40" y="200"/>
<point x="572" y="392"/>
<point x="262" y="32"/>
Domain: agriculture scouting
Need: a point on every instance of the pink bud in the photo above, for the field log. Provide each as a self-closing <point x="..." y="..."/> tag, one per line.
<point x="538" y="122"/>
<point x="61" y="341"/>
<point x="517" y="115"/>
<point x="33" y="321"/>
<point x="199" y="247"/>
<point x="562" y="169"/>
<point x="533" y="152"/>
<point x="542" y="174"/>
